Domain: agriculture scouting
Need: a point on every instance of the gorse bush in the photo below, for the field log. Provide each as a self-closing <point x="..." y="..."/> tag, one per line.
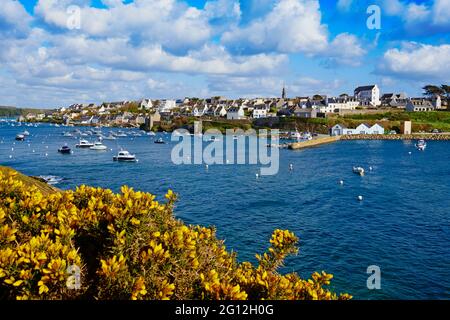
<point x="129" y="246"/>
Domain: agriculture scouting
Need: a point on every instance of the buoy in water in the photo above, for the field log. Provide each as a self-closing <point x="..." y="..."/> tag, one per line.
<point x="207" y="167"/>
<point x="370" y="168"/>
<point x="360" y="198"/>
<point x="10" y="156"/>
<point x="341" y="182"/>
<point x="410" y="152"/>
<point x="291" y="167"/>
<point x="46" y="154"/>
<point x="257" y="175"/>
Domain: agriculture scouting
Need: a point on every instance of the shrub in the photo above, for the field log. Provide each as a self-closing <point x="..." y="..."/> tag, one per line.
<point x="129" y="246"/>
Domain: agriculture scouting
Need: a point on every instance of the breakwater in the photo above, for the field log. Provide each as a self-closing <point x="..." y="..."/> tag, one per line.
<point x="418" y="136"/>
<point x="313" y="143"/>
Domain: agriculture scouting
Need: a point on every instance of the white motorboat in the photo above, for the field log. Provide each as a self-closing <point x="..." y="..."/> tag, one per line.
<point x="120" y="134"/>
<point x="421" y="145"/>
<point x="84" y="144"/>
<point x="110" y="137"/>
<point x="125" y="156"/>
<point x="151" y="133"/>
<point x="359" y="170"/>
<point x="20" y="137"/>
<point x="99" y="146"/>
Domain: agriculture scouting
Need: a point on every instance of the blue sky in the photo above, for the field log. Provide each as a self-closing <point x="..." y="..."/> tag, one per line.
<point x="66" y="51"/>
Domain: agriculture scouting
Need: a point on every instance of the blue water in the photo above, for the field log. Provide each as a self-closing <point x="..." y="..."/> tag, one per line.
<point x="402" y="225"/>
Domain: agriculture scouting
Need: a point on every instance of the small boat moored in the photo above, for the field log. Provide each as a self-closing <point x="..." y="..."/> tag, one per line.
<point x="20" y="137"/>
<point x="359" y="170"/>
<point x="84" y="144"/>
<point x="99" y="146"/>
<point x="159" y="141"/>
<point x="125" y="156"/>
<point x="65" y="150"/>
<point x="421" y="145"/>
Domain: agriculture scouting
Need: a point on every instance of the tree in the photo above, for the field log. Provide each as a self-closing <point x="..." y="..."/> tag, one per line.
<point x="317" y="97"/>
<point x="446" y="90"/>
<point x="432" y="90"/>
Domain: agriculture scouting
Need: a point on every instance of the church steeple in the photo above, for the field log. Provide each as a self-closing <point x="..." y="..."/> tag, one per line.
<point x="283" y="93"/>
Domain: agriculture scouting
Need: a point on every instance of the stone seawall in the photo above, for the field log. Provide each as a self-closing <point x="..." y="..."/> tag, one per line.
<point x="418" y="136"/>
<point x="313" y="143"/>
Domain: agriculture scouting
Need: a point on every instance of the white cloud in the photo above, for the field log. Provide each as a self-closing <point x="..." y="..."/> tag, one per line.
<point x="416" y="60"/>
<point x="13" y="18"/>
<point x="294" y="26"/>
<point x="441" y="12"/>
<point x="346" y="49"/>
<point x="170" y="23"/>
<point x="429" y="17"/>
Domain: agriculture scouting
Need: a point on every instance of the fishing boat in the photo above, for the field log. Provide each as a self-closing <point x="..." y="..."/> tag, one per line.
<point x="98" y="146"/>
<point x="125" y="156"/>
<point x="64" y="149"/>
<point x="421" y="145"/>
<point x="84" y="144"/>
<point x="20" y="137"/>
<point x="359" y="170"/>
<point x="159" y="141"/>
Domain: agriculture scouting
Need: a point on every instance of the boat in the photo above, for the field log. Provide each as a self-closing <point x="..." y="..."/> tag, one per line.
<point x="125" y="156"/>
<point x="99" y="146"/>
<point x="151" y="133"/>
<point x="67" y="134"/>
<point x="359" y="170"/>
<point x="110" y="137"/>
<point x="20" y="137"/>
<point x="26" y="133"/>
<point x="64" y="150"/>
<point x="421" y="145"/>
<point x="84" y="144"/>
<point x="120" y="134"/>
<point x="159" y="141"/>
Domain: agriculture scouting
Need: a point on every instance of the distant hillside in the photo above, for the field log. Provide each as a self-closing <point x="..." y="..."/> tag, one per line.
<point x="6" y="111"/>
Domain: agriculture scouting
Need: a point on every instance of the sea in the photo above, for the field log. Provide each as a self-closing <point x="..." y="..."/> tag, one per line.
<point x="401" y="227"/>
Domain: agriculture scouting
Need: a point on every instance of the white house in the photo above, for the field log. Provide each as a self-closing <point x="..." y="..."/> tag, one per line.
<point x="259" y="112"/>
<point x="167" y="105"/>
<point x="338" y="104"/>
<point x="419" y="104"/>
<point x="376" y="129"/>
<point x="368" y="95"/>
<point x="363" y="128"/>
<point x="236" y="113"/>
<point x="220" y="111"/>
<point x="146" y="104"/>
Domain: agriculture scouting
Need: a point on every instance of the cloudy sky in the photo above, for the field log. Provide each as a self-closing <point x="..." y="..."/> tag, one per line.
<point x="58" y="52"/>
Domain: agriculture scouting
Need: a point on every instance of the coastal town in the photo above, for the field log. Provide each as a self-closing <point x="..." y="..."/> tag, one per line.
<point x="322" y="113"/>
